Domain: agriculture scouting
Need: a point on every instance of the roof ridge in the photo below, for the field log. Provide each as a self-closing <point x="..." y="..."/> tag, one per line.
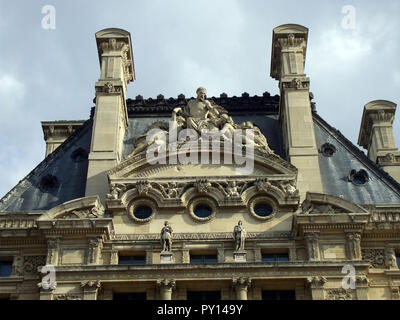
<point x="359" y="153"/>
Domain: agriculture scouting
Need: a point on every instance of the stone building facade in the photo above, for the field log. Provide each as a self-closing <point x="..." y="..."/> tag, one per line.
<point x="315" y="219"/>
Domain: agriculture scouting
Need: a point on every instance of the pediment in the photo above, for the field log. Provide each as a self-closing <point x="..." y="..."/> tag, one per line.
<point x="318" y="203"/>
<point x="138" y="167"/>
<point x="82" y="208"/>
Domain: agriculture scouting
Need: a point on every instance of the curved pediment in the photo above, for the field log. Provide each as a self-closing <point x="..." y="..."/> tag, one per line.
<point x="82" y="208"/>
<point x="137" y="166"/>
<point x="318" y="203"/>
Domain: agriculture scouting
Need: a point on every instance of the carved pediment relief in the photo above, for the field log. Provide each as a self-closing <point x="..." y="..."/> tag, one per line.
<point x="83" y="208"/>
<point x="317" y="203"/>
<point x="138" y="167"/>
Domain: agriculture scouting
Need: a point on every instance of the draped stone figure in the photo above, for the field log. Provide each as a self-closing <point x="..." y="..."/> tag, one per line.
<point x="204" y="117"/>
<point x="166" y="237"/>
<point x="239" y="235"/>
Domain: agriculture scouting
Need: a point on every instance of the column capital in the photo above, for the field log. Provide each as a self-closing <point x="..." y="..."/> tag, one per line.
<point x="316" y="282"/>
<point x="241" y="282"/>
<point x="166" y="283"/>
<point x="117" y="42"/>
<point x="288" y="37"/>
<point x="90" y="284"/>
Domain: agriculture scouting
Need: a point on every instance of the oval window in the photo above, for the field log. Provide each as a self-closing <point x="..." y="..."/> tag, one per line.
<point x="263" y="209"/>
<point x="202" y="211"/>
<point x="142" y="212"/>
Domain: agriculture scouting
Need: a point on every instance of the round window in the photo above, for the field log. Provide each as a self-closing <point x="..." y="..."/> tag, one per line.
<point x="359" y="178"/>
<point x="202" y="211"/>
<point x="79" y="155"/>
<point x="142" y="212"/>
<point x="328" y="150"/>
<point x="263" y="210"/>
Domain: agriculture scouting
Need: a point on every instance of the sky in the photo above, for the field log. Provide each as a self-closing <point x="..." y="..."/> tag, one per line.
<point x="179" y="45"/>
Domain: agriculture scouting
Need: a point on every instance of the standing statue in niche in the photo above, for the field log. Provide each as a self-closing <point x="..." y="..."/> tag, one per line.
<point x="166" y="237"/>
<point x="239" y="235"/>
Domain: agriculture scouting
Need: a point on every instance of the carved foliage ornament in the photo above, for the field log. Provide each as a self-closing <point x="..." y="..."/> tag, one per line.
<point x="339" y="294"/>
<point x="376" y="257"/>
<point x="241" y="282"/>
<point x="28" y="265"/>
<point x="291" y="41"/>
<point x="316" y="282"/>
<point x="166" y="283"/>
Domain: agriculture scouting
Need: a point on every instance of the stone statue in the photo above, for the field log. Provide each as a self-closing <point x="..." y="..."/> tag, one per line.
<point x="166" y="237"/>
<point x="239" y="235"/>
<point x="232" y="189"/>
<point x="206" y="118"/>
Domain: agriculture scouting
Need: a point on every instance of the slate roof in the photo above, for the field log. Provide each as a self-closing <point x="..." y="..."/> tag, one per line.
<point x="39" y="190"/>
<point x="31" y="194"/>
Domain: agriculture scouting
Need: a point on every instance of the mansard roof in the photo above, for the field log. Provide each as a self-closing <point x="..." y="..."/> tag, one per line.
<point x="60" y="178"/>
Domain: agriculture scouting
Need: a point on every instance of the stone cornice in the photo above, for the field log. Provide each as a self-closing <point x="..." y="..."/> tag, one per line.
<point x="60" y="130"/>
<point x="220" y="271"/>
<point x="283" y="235"/>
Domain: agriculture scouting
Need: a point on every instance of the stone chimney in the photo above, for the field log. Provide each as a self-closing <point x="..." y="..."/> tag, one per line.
<point x="376" y="135"/>
<point x="56" y="132"/>
<point x="111" y="117"/>
<point x="289" y="46"/>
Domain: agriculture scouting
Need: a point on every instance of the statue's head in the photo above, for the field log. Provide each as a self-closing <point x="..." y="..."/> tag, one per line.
<point x="240" y="222"/>
<point x="201" y="93"/>
<point x="165" y="223"/>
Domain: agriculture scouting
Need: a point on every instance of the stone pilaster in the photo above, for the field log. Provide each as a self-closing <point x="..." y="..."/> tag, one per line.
<point x="257" y="255"/>
<point x="316" y="285"/>
<point x="166" y="286"/>
<point x="395" y="293"/>
<point x="110" y="118"/>
<point x="376" y="135"/>
<point x="241" y="286"/>
<point x="185" y="256"/>
<point x="353" y="248"/>
<point x="114" y="257"/>
<point x="362" y="288"/>
<point x="95" y="245"/>
<point x="312" y="246"/>
<point x="149" y="256"/>
<point x="221" y="255"/>
<point x="53" y="251"/>
<point x="90" y="289"/>
<point x="47" y="292"/>
<point x="390" y="258"/>
<point x="289" y="45"/>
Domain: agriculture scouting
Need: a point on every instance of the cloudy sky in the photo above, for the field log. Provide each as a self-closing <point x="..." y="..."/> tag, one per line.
<point x="178" y="46"/>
